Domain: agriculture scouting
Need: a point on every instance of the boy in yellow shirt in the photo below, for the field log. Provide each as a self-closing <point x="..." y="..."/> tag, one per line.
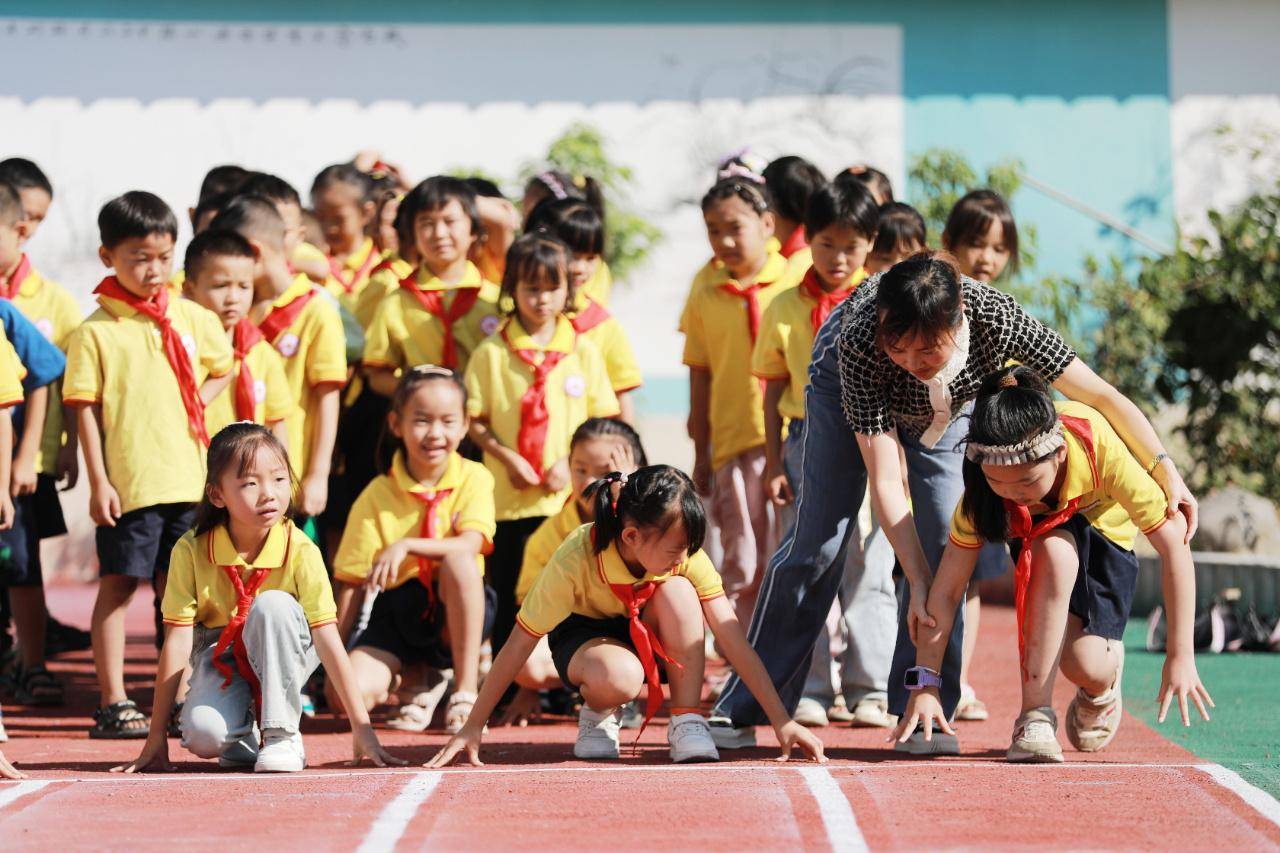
<point x="140" y="370"/>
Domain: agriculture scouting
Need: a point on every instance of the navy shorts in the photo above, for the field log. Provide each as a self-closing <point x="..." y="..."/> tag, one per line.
<point x="20" y="545"/>
<point x="401" y="625"/>
<point x="140" y="543"/>
<point x="1103" y="594"/>
<point x="50" y="521"/>
<point x="576" y="631"/>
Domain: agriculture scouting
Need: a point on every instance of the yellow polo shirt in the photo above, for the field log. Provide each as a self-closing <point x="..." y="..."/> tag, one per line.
<point x="785" y="346"/>
<point x="1117" y="496"/>
<point x="116" y="358"/>
<point x="577" y="389"/>
<point x="314" y="350"/>
<point x="54" y="311"/>
<point x="404" y="334"/>
<point x="600" y="286"/>
<point x="542" y="545"/>
<point x="383" y="281"/>
<point x="387" y="512"/>
<point x="356" y="268"/>
<point x="12" y="373"/>
<point x="619" y="359"/>
<point x="573" y="582"/>
<point x="273" y="399"/>
<point x="718" y="340"/>
<point x="198" y="589"/>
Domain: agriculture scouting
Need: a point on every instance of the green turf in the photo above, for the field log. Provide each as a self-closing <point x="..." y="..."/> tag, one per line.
<point x="1244" y="733"/>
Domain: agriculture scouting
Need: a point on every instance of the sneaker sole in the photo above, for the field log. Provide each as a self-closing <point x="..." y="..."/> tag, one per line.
<point x="1023" y="756"/>
<point x="698" y="758"/>
<point x="596" y="756"/>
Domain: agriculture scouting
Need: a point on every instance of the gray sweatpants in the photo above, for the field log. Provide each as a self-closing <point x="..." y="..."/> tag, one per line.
<point x="218" y="723"/>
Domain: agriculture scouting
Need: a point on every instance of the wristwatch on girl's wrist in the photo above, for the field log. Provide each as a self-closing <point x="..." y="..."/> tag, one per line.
<point x="920" y="677"/>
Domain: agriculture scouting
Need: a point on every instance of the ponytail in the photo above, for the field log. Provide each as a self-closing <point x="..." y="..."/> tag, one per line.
<point x="652" y="497"/>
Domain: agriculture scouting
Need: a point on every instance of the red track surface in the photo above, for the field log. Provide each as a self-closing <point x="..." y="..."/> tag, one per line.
<point x="1141" y="792"/>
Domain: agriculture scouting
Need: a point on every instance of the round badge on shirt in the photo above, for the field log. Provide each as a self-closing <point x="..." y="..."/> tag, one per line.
<point x="45" y="325"/>
<point x="288" y="345"/>
<point x="189" y="344"/>
<point x="490" y="324"/>
<point x="575" y="386"/>
<point x="259" y="391"/>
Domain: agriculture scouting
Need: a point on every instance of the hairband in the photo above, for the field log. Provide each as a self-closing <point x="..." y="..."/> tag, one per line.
<point x="430" y="370"/>
<point x="551" y="182"/>
<point x="608" y="481"/>
<point x="746" y="157"/>
<point x="1028" y="450"/>
<point x="737" y="170"/>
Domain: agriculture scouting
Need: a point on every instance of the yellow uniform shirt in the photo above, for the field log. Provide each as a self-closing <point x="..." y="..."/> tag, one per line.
<point x="55" y="312"/>
<point x="718" y="340"/>
<point x="404" y="334"/>
<point x="600" y="286"/>
<point x="198" y="589"/>
<point x="542" y="545"/>
<point x="785" y="346"/>
<point x="11" y="375"/>
<point x="611" y="339"/>
<point x="274" y="400"/>
<point x="387" y="512"/>
<point x="575" y="581"/>
<point x="383" y="281"/>
<point x="315" y="355"/>
<point x="577" y="389"/>
<point x="800" y="261"/>
<point x="1116" y="495"/>
<point x="352" y="274"/>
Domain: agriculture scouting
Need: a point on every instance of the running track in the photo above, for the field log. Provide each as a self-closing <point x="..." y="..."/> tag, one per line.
<point x="1143" y="792"/>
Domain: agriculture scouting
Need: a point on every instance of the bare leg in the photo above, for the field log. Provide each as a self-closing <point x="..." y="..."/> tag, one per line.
<point x="608" y="674"/>
<point x="676" y="614"/>
<point x="107" y="629"/>
<point x="374" y="669"/>
<point x="462" y="591"/>
<point x="1089" y="662"/>
<point x="29" y="617"/>
<point x="1056" y="563"/>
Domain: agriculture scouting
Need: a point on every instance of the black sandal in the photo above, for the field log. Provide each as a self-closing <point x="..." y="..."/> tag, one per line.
<point x="121" y="721"/>
<point x="37" y="686"/>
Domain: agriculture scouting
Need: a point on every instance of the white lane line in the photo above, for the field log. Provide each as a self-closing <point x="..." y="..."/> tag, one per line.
<point x="837" y="813"/>
<point x="13" y="792"/>
<point x="1262" y="802"/>
<point x="394" y="820"/>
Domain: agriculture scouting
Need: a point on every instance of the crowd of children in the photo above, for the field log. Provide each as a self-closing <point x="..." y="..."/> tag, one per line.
<point x="389" y="433"/>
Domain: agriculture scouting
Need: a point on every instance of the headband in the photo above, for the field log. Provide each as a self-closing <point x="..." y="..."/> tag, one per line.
<point x="737" y="170"/>
<point x="549" y="180"/>
<point x="1028" y="450"/>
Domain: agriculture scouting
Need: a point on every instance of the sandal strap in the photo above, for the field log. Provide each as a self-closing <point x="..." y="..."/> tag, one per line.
<point x="460" y="698"/>
<point x="125" y="711"/>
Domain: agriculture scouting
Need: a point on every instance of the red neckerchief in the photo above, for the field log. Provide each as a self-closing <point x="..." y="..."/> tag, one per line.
<point x="233" y="632"/>
<point x="533" y="405"/>
<point x="592" y="315"/>
<point x="9" y="289"/>
<point x="348" y="285"/>
<point x="1021" y="527"/>
<point x="283" y="316"/>
<point x="432" y="301"/>
<point x="156" y="309"/>
<point x="827" y="302"/>
<point x="427" y="530"/>
<point x="748" y="294"/>
<point x="794" y="243"/>
<point x="244" y="338"/>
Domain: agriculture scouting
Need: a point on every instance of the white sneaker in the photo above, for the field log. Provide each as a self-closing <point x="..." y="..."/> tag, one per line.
<point x="281" y="753"/>
<point x="873" y="713"/>
<point x="242" y="754"/>
<point x="1035" y="738"/>
<point x="1092" y="721"/>
<point x="727" y="737"/>
<point x="690" y="739"/>
<point x="811" y="714"/>
<point x="597" y="734"/>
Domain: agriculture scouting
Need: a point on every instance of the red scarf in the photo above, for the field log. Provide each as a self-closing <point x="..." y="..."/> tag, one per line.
<point x="827" y="302"/>
<point x="533" y="405"/>
<point x="748" y="294"/>
<point x="794" y="243"/>
<point x="336" y="268"/>
<point x="283" y="316"/>
<point x="1022" y="527"/>
<point x="244" y="338"/>
<point x="156" y="309"/>
<point x="432" y="301"/>
<point x="426" y="566"/>
<point x="10" y="288"/>
<point x="592" y="315"/>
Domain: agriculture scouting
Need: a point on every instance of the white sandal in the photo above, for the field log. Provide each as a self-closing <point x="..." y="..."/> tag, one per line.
<point x="454" y="717"/>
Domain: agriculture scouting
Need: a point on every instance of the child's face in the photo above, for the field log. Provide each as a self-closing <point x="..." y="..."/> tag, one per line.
<point x="294" y="230"/>
<point x="225" y="287"/>
<point x="581" y="268"/>
<point x="590" y="460"/>
<point x="143" y="265"/>
<point x="839" y="251"/>
<point x="1028" y="483"/>
<point x="985" y="256"/>
<point x="881" y="261"/>
<point x="658" y="551"/>
<point x="431" y="424"/>
<point x="920" y="356"/>
<point x="35" y="207"/>
<point x="343" y="216"/>
<point x="540" y="302"/>
<point x="12" y="236"/>
<point x="739" y="236"/>
<point x="258" y="498"/>
<point x="444" y="234"/>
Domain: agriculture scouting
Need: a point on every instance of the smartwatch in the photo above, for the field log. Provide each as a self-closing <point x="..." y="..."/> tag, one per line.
<point x="920" y="677"/>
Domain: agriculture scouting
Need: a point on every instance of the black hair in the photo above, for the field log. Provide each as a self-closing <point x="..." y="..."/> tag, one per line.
<point x="847" y="204"/>
<point x="871" y="178"/>
<point x="344" y="173"/>
<point x="252" y="217"/>
<point x="222" y="181"/>
<point x="740" y="188"/>
<point x="921" y="296"/>
<point x="273" y="189"/>
<point x="536" y="257"/>
<point x="433" y="194"/>
<point x="901" y="226"/>
<point x="234" y="447"/>
<point x="212" y="243"/>
<point x="403" y="225"/>
<point x="208" y="205"/>
<point x="573" y="221"/>
<point x="653" y="497"/>
<point x="790" y="182"/>
<point x="1002" y="414"/>
<point x="971" y="217"/>
<point x="559" y="185"/>
<point x="10" y="204"/>
<point x="484" y="187"/>
<point x="411" y="380"/>
<point x="23" y="174"/>
<point x="136" y="214"/>
<point x="610" y="427"/>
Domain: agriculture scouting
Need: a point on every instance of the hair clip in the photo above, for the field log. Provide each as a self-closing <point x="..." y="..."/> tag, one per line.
<point x="1009" y="381"/>
<point x="549" y="180"/>
<point x="737" y="170"/>
<point x="580" y="181"/>
<point x="430" y="370"/>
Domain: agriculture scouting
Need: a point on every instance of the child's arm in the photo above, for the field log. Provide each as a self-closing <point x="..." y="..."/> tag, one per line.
<point x="104" y="502"/>
<point x="389" y="560"/>
<point x="68" y="464"/>
<point x="700" y="427"/>
<point x="744" y="660"/>
<point x="333" y="655"/>
<point x="775" y="478"/>
<point x="22" y="480"/>
<point x="382" y="380"/>
<point x="315" y="485"/>
<point x="213" y="386"/>
<point x="518" y="468"/>
<point x="1178" y="578"/>
<point x="280" y="430"/>
<point x="6" y="457"/>
<point x="504" y="670"/>
<point x="173" y="660"/>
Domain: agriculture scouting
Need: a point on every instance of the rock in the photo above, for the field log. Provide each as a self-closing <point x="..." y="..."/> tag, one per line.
<point x="1237" y="521"/>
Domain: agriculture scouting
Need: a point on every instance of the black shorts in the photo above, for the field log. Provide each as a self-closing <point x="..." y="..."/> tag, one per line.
<point x="20" y="545"/>
<point x="1108" y="576"/>
<point x="49" y="519"/>
<point x="576" y="631"/>
<point x="140" y="543"/>
<point x="401" y="625"/>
